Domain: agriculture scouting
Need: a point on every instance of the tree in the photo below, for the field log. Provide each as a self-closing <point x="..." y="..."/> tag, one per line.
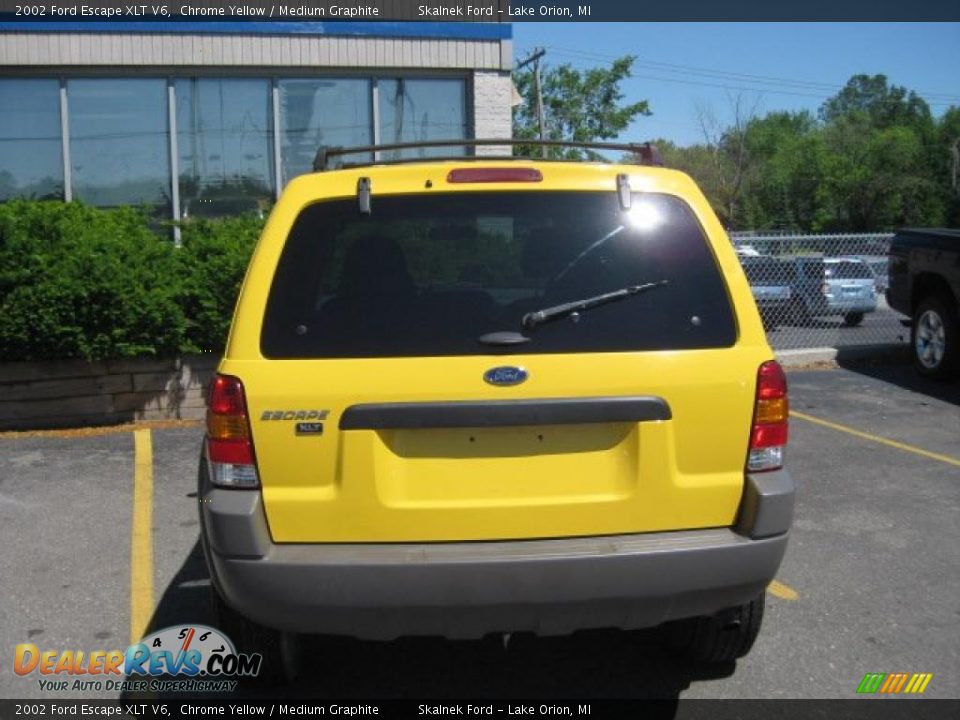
<point x="786" y="151"/>
<point x="884" y="104"/>
<point x="877" y="179"/>
<point x="948" y="162"/>
<point x="884" y="167"/>
<point x="698" y="161"/>
<point x="727" y="150"/>
<point x="722" y="164"/>
<point x="582" y="105"/>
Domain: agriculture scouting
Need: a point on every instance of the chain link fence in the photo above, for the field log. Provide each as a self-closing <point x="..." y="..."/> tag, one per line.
<point x="818" y="291"/>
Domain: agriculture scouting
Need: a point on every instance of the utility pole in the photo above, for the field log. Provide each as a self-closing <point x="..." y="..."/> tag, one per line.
<point x="535" y="59"/>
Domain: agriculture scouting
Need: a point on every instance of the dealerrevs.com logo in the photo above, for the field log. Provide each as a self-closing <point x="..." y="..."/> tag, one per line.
<point x="185" y="658"/>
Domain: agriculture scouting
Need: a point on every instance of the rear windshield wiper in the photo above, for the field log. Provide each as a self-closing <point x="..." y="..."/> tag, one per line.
<point x="539" y="317"/>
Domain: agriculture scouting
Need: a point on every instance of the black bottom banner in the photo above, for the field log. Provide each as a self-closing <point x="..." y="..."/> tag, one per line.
<point x="640" y="709"/>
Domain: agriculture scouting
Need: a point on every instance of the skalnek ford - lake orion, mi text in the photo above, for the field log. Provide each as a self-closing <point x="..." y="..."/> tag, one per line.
<point x="467" y="11"/>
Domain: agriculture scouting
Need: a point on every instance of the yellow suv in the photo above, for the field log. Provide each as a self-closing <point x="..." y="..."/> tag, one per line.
<point x="472" y="396"/>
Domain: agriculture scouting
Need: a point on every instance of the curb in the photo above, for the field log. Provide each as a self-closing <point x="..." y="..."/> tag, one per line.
<point x="814" y="356"/>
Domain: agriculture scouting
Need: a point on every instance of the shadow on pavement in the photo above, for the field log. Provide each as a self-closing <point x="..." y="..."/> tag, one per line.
<point x="590" y="665"/>
<point x="897" y="369"/>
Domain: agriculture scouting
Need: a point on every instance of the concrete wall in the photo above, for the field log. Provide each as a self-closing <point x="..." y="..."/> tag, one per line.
<point x="73" y="393"/>
<point x="492" y="112"/>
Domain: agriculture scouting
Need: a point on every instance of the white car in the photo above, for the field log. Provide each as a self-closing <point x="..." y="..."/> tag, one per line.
<point x="850" y="286"/>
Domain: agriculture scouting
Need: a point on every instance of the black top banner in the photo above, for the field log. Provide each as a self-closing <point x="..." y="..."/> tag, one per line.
<point x="12" y="11"/>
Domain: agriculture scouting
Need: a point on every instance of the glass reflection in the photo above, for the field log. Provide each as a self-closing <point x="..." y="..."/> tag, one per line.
<point x="224" y="139"/>
<point x="31" y="162"/>
<point x="315" y="112"/>
<point x="119" y="148"/>
<point x="416" y="110"/>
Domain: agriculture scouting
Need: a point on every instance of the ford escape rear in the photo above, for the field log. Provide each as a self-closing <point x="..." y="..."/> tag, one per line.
<point x="484" y="396"/>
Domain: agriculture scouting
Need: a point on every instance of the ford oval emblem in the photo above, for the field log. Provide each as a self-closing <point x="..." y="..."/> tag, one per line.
<point x="505" y="375"/>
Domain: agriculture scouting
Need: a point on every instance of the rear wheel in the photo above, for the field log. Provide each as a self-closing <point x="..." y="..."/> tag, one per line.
<point x="280" y="650"/>
<point x="934" y="338"/>
<point x="852" y="319"/>
<point x="719" y="638"/>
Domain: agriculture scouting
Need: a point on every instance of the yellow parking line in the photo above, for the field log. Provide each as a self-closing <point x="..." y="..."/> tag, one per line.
<point x="782" y="591"/>
<point x="141" y="543"/>
<point x="877" y="439"/>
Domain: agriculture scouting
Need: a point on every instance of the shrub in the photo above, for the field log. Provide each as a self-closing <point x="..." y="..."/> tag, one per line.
<point x="212" y="263"/>
<point x="81" y="282"/>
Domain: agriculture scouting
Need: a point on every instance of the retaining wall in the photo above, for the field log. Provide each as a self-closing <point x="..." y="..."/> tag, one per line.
<point x="72" y="393"/>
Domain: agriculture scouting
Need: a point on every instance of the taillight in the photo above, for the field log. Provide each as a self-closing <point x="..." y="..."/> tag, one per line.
<point x="230" y="456"/>
<point x="768" y="436"/>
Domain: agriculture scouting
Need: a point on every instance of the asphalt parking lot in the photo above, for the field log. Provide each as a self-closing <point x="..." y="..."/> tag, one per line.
<point x="869" y="584"/>
<point x="880" y="327"/>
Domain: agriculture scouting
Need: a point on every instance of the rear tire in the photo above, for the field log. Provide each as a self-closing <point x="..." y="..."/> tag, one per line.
<point x="280" y="650"/>
<point x="934" y="337"/>
<point x="720" y="638"/>
<point x="852" y="319"/>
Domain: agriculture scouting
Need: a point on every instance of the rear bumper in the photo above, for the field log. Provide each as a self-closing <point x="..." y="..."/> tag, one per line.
<point x="464" y="590"/>
<point x="864" y="305"/>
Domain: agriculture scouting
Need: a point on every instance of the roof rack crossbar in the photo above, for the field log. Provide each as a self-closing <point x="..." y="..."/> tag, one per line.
<point x="646" y="153"/>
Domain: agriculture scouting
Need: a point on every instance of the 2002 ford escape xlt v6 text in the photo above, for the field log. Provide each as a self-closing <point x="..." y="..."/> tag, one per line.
<point x="464" y="397"/>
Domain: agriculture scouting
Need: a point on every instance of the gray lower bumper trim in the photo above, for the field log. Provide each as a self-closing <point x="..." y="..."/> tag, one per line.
<point x="463" y="590"/>
<point x="767" y="505"/>
<point x="471" y="589"/>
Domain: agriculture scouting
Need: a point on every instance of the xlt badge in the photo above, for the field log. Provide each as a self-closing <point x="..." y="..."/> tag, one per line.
<point x="309" y="428"/>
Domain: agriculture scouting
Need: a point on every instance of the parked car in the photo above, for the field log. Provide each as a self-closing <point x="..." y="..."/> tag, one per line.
<point x="747" y="250"/>
<point x="464" y="397"/>
<point x="881" y="271"/>
<point x="769" y="280"/>
<point x="807" y="277"/>
<point x="850" y="288"/>
<point x="925" y="286"/>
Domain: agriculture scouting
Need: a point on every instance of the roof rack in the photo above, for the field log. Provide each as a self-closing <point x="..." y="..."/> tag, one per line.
<point x="646" y="153"/>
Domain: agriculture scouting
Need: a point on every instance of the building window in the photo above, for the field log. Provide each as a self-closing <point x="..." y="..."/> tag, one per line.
<point x="118" y="142"/>
<point x="315" y="112"/>
<point x="224" y="141"/>
<point x="416" y="110"/>
<point x="31" y="160"/>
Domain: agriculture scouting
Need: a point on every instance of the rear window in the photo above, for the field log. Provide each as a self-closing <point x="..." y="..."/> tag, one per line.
<point x="428" y="275"/>
<point x="848" y="270"/>
<point x="765" y="271"/>
<point x="880" y="267"/>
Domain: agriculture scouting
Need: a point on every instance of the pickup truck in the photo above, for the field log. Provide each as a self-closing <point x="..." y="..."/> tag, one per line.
<point x="925" y="285"/>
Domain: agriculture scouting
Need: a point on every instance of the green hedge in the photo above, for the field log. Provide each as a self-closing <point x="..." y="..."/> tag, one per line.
<point x="80" y="282"/>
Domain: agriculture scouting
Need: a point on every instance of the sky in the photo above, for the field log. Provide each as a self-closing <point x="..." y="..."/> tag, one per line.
<point x="682" y="68"/>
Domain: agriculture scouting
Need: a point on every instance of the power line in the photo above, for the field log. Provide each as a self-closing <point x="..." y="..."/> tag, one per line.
<point x="723" y="74"/>
<point x="795" y="86"/>
<point x="807" y="84"/>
